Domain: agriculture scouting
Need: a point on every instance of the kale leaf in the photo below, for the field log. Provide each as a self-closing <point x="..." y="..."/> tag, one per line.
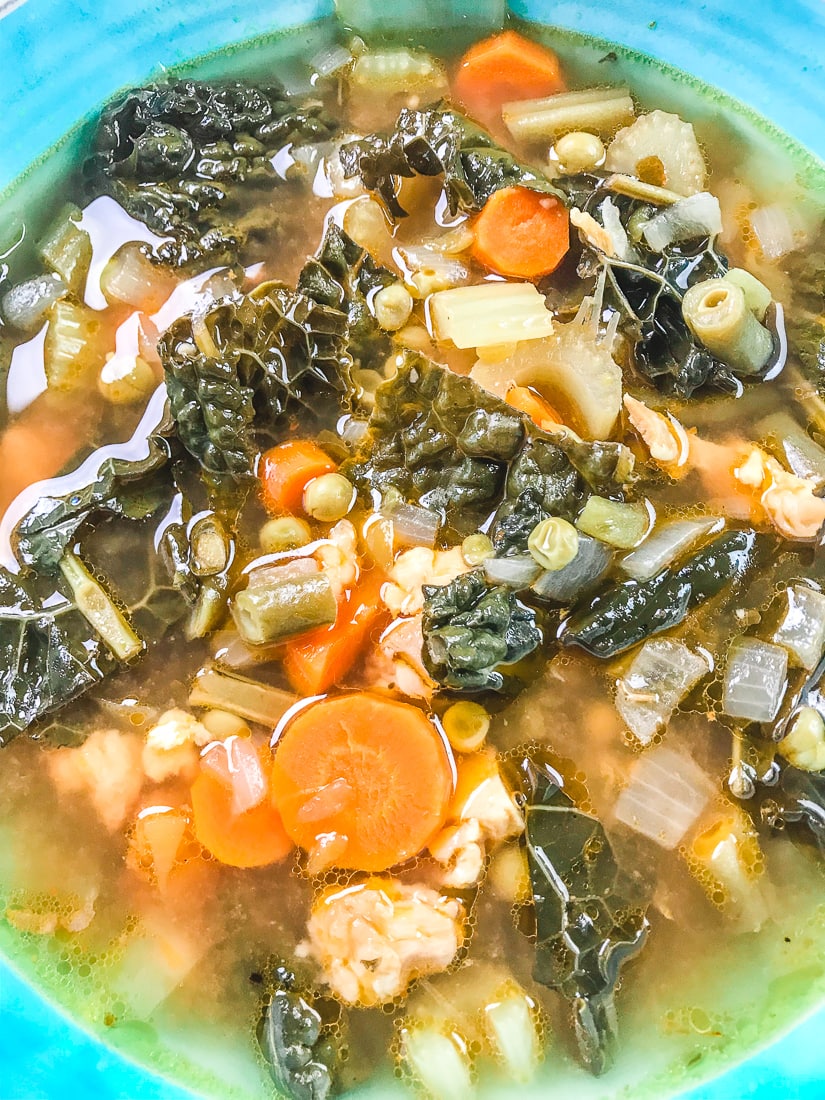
<point x="302" y="1061"/>
<point x="630" y="611"/>
<point x="49" y="654"/>
<point x="438" y="142"/>
<point x="471" y="628"/>
<point x="174" y="155"/>
<point x="588" y="922"/>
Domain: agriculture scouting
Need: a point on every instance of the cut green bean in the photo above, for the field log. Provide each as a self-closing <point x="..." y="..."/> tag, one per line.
<point x="247" y="698"/>
<point x="717" y="313"/>
<point x="210" y="547"/>
<point x="757" y="296"/>
<point x="99" y="609"/>
<point x="266" y="615"/>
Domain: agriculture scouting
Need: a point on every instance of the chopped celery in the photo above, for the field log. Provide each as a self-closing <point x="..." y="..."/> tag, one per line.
<point x="268" y="614"/>
<point x="74" y="347"/>
<point x="67" y="250"/>
<point x="597" y="110"/>
<point x="620" y="525"/>
<point x="490" y="314"/>
<point x="99" y="609"/>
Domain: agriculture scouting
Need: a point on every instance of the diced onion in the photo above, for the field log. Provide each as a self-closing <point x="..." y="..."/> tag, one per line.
<point x="26" y="305"/>
<point x="590" y="564"/>
<point x="773" y="230"/>
<point x="697" y="215"/>
<point x="412" y="524"/>
<point x="665" y="796"/>
<point x="755" y="680"/>
<point x="664" y="545"/>
<point x="518" y="571"/>
<point x="331" y="60"/>
<point x="661" y="675"/>
<point x="802" y="629"/>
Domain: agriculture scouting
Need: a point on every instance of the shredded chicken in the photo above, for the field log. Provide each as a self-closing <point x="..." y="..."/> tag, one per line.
<point x="665" y="438"/>
<point x="106" y="768"/>
<point x="172" y="745"/>
<point x="373" y="939"/>
<point x="596" y="234"/>
<point x="395" y="663"/>
<point x="415" y="568"/>
<point x="338" y="556"/>
<point x="790" y="502"/>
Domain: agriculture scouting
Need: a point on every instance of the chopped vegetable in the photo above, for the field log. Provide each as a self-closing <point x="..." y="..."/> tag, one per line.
<point x="126" y="380"/>
<point x="521" y="233"/>
<point x="661" y="149"/>
<point x="598" y="110"/>
<point x="621" y="525"/>
<point x="466" y="725"/>
<point x="583" y="574"/>
<point x="361" y="781"/>
<point x="439" y="1063"/>
<point x="729" y="855"/>
<point x="718" y="315"/>
<point x="317" y="662"/>
<point x="238" y="695"/>
<point x="755" y="680"/>
<point x="665" y="543"/>
<point x="287" y="469"/>
<point x="75" y="348"/>
<point x="490" y="314"/>
<point x="660" y="676"/>
<point x="757" y="296"/>
<point x="630" y="612"/>
<point x="131" y="279"/>
<point x="666" y="794"/>
<point x="792" y="445"/>
<point x="502" y="68"/>
<point x="541" y="412"/>
<point x="26" y="306"/>
<point x="554" y="543"/>
<point x="283" y="533"/>
<point x="382" y="76"/>
<point x="804" y="743"/>
<point x="269" y="613"/>
<point x="254" y="838"/>
<point x="472" y="629"/>
<point x="412" y="525"/>
<point x="691" y="218"/>
<point x="67" y="250"/>
<point x="802" y="628"/>
<point x="517" y="571"/>
<point x="95" y="604"/>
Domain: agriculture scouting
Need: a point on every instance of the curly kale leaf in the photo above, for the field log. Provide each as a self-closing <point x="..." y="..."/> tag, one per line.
<point x="343" y="276"/>
<point x="120" y="482"/>
<point x="49" y="654"/>
<point x="438" y="142"/>
<point x="471" y="629"/>
<point x="588" y="921"/>
<point x="302" y="1060"/>
<point x="439" y="439"/>
<point x="234" y="372"/>
<point x="175" y="154"/>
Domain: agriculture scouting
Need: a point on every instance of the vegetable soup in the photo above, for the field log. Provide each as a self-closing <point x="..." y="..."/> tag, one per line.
<point x="412" y="625"/>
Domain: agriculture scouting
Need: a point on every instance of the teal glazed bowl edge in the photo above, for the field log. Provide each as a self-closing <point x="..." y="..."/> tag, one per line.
<point x="61" y="58"/>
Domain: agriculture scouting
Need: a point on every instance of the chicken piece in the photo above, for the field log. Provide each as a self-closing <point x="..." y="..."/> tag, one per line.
<point x="374" y="939"/>
<point x="665" y="438"/>
<point x="415" y="568"/>
<point x="106" y="768"/>
<point x="338" y="556"/>
<point x="596" y="234"/>
<point x="790" y="502"/>
<point x="172" y="746"/>
<point x="483" y="814"/>
<point x="395" y="662"/>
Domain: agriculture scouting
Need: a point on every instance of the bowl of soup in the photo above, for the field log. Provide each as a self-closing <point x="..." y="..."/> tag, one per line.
<point x="411" y="596"/>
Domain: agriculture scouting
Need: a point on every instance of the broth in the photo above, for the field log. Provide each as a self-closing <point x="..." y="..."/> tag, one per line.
<point x="171" y="966"/>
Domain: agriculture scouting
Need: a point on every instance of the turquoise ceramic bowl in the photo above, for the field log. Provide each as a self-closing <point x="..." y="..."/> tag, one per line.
<point x="60" y="58"/>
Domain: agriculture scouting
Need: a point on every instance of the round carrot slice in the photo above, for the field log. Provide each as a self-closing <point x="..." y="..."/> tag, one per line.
<point x="251" y="839"/>
<point x="365" y="779"/>
<point x="521" y="233"/>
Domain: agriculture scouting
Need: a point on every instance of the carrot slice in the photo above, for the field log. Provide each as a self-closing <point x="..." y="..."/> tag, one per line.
<point x="521" y="233"/>
<point x="287" y="469"/>
<point x="367" y="777"/>
<point x="318" y="661"/>
<point x="533" y="405"/>
<point x="504" y="68"/>
<point x="251" y="839"/>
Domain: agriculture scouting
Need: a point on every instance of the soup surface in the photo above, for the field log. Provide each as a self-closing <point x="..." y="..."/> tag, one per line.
<point x="411" y="585"/>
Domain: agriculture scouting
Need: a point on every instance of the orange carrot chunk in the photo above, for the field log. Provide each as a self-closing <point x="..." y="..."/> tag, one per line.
<point x="521" y="233"/>
<point x="287" y="469"/>
<point x="251" y="839"/>
<point x="366" y="780"/>
<point x="533" y="405"/>
<point x="318" y="661"/>
<point x="504" y="68"/>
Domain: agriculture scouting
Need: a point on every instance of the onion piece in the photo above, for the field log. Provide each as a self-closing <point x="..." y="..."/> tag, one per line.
<point x="26" y="305"/>
<point x="412" y="524"/>
<point x="802" y="629"/>
<point x="773" y="230"/>
<point x="755" y="680"/>
<point x="517" y="572"/>
<point x="664" y="545"/>
<point x="665" y="796"/>
<point x="590" y="564"/>
<point x="696" y="216"/>
<point x="331" y="60"/>
<point x="661" y="675"/>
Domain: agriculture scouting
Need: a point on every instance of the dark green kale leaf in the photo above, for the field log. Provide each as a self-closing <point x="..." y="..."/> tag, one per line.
<point x="631" y="611"/>
<point x="343" y="276"/>
<point x="438" y="142"/>
<point x="806" y="321"/>
<point x="49" y="654"/>
<point x="302" y="1060"/>
<point x="471" y="629"/>
<point x="234" y="372"/>
<point x="176" y="154"/>
<point x="124" y="479"/>
<point x="588" y="921"/>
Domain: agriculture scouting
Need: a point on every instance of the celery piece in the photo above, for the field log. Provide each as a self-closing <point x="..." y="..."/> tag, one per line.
<point x="265" y="615"/>
<point x="617" y="524"/>
<point x="99" y="609"/>
<point x="490" y="314"/>
<point x="67" y="250"/>
<point x="596" y="110"/>
<point x="73" y="348"/>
